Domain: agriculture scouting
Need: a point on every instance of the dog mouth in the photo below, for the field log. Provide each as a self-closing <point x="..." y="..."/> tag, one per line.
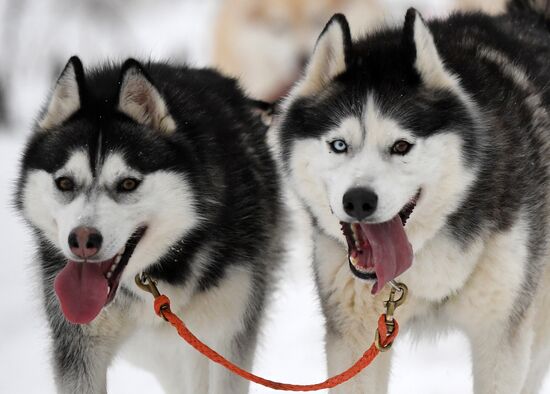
<point x="85" y="288"/>
<point x="380" y="251"/>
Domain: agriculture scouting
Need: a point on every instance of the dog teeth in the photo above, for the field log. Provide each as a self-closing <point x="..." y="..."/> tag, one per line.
<point x="360" y="268"/>
<point x="355" y="236"/>
<point x="117" y="259"/>
<point x="364" y="270"/>
<point x="115" y="264"/>
<point x="108" y="275"/>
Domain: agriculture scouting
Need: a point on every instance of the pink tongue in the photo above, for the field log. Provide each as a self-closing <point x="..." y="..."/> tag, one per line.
<point x="82" y="291"/>
<point x="391" y="251"/>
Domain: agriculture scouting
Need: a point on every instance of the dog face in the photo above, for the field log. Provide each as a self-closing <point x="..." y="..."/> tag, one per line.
<point x="375" y="132"/>
<point x="267" y="43"/>
<point x="108" y="192"/>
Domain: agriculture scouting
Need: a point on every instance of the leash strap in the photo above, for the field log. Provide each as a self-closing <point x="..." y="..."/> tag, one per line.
<point x="385" y="336"/>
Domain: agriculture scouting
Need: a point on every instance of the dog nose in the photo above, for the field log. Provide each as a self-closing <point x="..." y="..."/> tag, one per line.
<point x="360" y="203"/>
<point x="85" y="241"/>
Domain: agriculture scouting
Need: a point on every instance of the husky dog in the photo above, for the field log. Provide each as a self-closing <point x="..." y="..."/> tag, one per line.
<point x="157" y="169"/>
<point x="429" y="146"/>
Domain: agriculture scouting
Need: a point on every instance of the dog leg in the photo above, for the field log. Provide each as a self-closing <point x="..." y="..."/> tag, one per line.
<point x="223" y="381"/>
<point x="537" y="371"/>
<point x="540" y="359"/>
<point x="341" y="355"/>
<point x="178" y="367"/>
<point x="82" y="354"/>
<point x="194" y="378"/>
<point x="501" y="360"/>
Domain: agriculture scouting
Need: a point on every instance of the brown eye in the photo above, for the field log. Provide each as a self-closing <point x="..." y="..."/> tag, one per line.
<point x="401" y="147"/>
<point x="128" y="185"/>
<point x="64" y="184"/>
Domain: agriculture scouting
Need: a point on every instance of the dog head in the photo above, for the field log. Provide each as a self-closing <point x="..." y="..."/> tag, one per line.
<point x="103" y="184"/>
<point x="376" y="131"/>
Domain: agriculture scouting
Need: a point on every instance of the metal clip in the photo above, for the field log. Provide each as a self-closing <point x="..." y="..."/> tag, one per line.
<point x="145" y="283"/>
<point x="392" y="303"/>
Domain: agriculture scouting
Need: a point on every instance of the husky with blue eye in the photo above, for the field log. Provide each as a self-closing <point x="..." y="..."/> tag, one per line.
<point x="422" y="154"/>
<point x="157" y="169"/>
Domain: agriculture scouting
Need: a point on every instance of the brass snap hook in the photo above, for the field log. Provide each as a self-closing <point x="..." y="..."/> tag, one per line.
<point x="392" y="303"/>
<point x="145" y="283"/>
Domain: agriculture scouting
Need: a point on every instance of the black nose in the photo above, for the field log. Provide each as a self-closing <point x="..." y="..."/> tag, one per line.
<point x="360" y="203"/>
<point x="85" y="241"/>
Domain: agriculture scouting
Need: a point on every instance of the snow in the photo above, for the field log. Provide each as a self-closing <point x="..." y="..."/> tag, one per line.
<point x="292" y="343"/>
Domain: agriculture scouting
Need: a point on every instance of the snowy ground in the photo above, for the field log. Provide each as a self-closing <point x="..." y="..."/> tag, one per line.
<point x="291" y="349"/>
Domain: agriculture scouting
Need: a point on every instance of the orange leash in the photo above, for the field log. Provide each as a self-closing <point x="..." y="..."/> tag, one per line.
<point x="385" y="335"/>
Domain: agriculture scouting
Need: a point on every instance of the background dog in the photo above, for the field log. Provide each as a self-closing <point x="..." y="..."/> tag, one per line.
<point x="267" y="43"/>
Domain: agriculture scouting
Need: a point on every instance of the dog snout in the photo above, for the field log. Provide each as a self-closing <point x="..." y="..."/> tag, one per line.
<point x="360" y="203"/>
<point x="85" y="241"/>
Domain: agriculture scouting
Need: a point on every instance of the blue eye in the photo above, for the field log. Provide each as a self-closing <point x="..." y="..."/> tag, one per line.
<point x="338" y="146"/>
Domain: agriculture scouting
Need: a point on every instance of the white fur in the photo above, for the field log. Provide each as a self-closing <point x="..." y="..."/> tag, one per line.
<point x="44" y="205"/>
<point x="64" y="102"/>
<point x="483" y="309"/>
<point x="141" y="101"/>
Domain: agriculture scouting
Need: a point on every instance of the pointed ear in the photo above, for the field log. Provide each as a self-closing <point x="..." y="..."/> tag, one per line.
<point x="140" y="100"/>
<point x="65" y="99"/>
<point x="329" y="59"/>
<point x="418" y="39"/>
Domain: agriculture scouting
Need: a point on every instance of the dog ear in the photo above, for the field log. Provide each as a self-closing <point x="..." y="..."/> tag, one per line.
<point x="419" y="43"/>
<point x="140" y="100"/>
<point x="329" y="59"/>
<point x="65" y="99"/>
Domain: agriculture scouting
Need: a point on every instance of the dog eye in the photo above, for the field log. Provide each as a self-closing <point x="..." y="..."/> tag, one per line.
<point x="401" y="147"/>
<point x="128" y="185"/>
<point x="64" y="184"/>
<point x="338" y="146"/>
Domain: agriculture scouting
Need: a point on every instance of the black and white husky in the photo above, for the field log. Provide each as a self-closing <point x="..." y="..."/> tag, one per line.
<point x="429" y="146"/>
<point x="159" y="169"/>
